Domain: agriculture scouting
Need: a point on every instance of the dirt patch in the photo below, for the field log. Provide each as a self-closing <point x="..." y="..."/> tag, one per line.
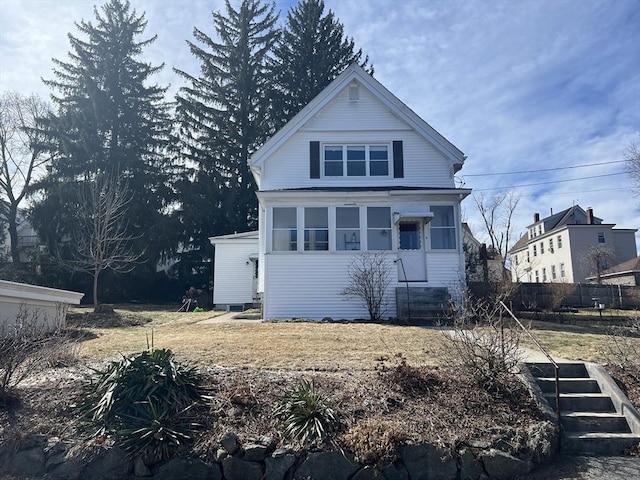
<point x="106" y="320"/>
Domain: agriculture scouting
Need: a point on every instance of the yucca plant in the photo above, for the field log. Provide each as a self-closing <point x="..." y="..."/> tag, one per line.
<point x="145" y="400"/>
<point x="307" y="415"/>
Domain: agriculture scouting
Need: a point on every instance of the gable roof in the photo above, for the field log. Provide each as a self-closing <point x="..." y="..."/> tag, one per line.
<point x="356" y="73"/>
<point x="630" y="266"/>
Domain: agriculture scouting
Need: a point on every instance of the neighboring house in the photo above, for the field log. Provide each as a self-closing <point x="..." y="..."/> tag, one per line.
<point x="235" y="271"/>
<point x="355" y="171"/>
<point x="626" y="273"/>
<point x="482" y="264"/>
<point x="554" y="248"/>
<point x="28" y="240"/>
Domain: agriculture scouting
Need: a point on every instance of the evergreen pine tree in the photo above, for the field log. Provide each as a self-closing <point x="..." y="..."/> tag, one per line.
<point x="109" y="121"/>
<point x="311" y="52"/>
<point x="223" y="116"/>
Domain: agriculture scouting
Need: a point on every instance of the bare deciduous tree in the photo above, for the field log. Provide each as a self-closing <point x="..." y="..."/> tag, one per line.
<point x="369" y="279"/>
<point x="597" y="259"/>
<point x="632" y="158"/>
<point x="497" y="214"/>
<point x="22" y="155"/>
<point x="101" y="238"/>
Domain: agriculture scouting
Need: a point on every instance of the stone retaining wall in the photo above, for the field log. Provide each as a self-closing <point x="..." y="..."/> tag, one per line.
<point x="38" y="455"/>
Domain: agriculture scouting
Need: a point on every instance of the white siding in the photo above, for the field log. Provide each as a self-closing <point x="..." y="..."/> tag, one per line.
<point x="308" y="285"/>
<point x="233" y="272"/>
<point x="367" y="121"/>
<point x="444" y="269"/>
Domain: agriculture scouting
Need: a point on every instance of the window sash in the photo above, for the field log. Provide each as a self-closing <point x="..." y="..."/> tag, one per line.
<point x="348" y="228"/>
<point x="285" y="230"/>
<point x="356" y="160"/>
<point x="443" y="228"/>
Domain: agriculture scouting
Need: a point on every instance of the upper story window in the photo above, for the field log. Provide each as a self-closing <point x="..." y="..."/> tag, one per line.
<point x="559" y="241"/>
<point x="601" y="237"/>
<point x="551" y="245"/>
<point x="541" y="248"/>
<point x="356" y="160"/>
<point x="535" y="251"/>
<point x="443" y="228"/>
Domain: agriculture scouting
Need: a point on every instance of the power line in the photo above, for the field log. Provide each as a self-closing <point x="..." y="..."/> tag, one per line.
<point x="543" y="169"/>
<point x="548" y="183"/>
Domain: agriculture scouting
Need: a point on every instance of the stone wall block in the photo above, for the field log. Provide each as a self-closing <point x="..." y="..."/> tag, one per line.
<point x="187" y="469"/>
<point x="470" y="466"/>
<point x="230" y="442"/>
<point x="502" y="466"/>
<point x="277" y="468"/>
<point x="395" y="471"/>
<point x="425" y="462"/>
<point x="332" y="465"/>
<point x="29" y="462"/>
<point x="110" y="464"/>
<point x="235" y="468"/>
<point x="369" y="472"/>
<point x="255" y="452"/>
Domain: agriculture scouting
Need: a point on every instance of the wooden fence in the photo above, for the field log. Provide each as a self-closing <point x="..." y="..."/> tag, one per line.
<point x="557" y="295"/>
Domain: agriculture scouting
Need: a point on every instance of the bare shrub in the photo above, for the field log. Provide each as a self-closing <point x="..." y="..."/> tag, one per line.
<point x="369" y="279"/>
<point x="559" y="292"/>
<point x="484" y="343"/>
<point x="375" y="441"/>
<point x="407" y="379"/>
<point x="24" y="349"/>
<point x="623" y="348"/>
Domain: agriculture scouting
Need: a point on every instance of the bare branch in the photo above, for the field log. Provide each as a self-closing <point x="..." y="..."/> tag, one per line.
<point x="101" y="237"/>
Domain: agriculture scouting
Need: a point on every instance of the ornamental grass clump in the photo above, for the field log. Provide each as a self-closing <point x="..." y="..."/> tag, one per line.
<point x="146" y="401"/>
<point x="307" y="415"/>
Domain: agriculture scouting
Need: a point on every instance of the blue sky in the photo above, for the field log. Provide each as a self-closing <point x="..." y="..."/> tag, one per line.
<point x="517" y="85"/>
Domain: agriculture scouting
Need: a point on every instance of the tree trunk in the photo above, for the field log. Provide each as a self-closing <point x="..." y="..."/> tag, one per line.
<point x="13" y="234"/>
<point x="95" y="290"/>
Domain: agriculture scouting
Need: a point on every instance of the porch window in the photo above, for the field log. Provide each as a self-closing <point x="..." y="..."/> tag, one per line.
<point x="347" y="228"/>
<point x="378" y="228"/>
<point x="316" y="228"/>
<point x="443" y="228"/>
<point x="285" y="233"/>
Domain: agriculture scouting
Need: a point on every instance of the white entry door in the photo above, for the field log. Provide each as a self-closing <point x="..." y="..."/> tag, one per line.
<point x="413" y="267"/>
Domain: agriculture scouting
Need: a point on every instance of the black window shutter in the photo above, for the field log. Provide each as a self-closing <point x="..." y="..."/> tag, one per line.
<point x="314" y="159"/>
<point x="398" y="159"/>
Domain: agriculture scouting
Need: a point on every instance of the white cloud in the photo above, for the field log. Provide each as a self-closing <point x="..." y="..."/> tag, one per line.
<point x="515" y="84"/>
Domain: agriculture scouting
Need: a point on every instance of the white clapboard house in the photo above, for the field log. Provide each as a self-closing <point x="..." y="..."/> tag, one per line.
<point x="355" y="171"/>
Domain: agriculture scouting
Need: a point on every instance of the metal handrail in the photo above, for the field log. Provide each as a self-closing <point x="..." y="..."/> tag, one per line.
<point x="544" y="351"/>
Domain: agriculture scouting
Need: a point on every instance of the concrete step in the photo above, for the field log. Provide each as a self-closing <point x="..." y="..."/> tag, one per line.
<point x="566" y="370"/>
<point x="582" y="402"/>
<point x="569" y="385"/>
<point x="591" y="422"/>
<point x="598" y="443"/>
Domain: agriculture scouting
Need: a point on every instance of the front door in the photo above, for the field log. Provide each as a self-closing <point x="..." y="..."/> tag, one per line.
<point x="412" y="267"/>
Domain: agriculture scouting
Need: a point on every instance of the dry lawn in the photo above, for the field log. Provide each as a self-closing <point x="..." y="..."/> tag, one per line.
<point x="282" y="345"/>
